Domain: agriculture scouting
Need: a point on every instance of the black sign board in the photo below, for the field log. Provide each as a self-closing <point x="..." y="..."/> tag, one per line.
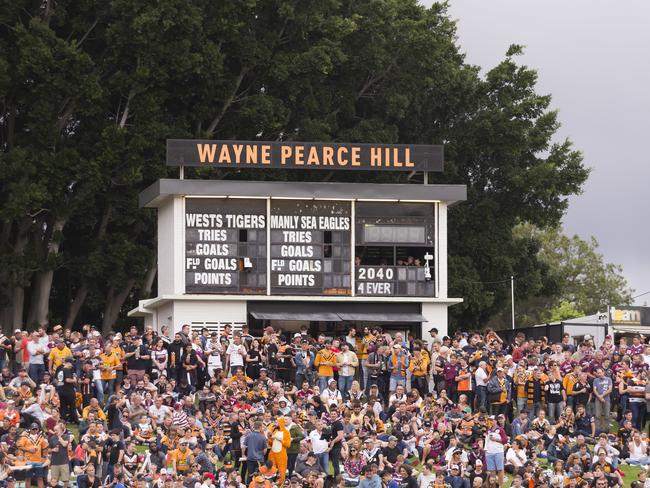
<point x="225" y="246"/>
<point x="310" y="247"/>
<point x="304" y="155"/>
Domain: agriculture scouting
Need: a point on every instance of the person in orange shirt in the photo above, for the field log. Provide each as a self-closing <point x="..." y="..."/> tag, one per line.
<point x="325" y="362"/>
<point x="181" y="458"/>
<point x="418" y="367"/>
<point x="279" y="441"/>
<point x="35" y="447"/>
<point x="10" y="415"/>
<point x="259" y="482"/>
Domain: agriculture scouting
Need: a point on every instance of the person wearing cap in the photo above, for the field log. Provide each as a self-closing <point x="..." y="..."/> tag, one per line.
<point x="304" y="360"/>
<point x="35" y="447"/>
<point x="454" y="477"/>
<point x="325" y="361"/>
<point x="181" y="458"/>
<point x="331" y="394"/>
<point x="494" y="445"/>
<point x="499" y="389"/>
<point x="66" y="380"/>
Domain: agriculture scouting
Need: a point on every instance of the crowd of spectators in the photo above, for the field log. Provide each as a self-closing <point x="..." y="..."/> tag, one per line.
<point x="369" y="408"/>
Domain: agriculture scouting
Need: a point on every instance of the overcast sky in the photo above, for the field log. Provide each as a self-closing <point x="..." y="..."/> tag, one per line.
<point x="592" y="57"/>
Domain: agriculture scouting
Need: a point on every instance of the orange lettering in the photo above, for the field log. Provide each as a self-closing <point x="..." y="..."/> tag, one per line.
<point x="313" y="157"/>
<point x="339" y="156"/>
<point x="396" y="161"/>
<point x="375" y="156"/>
<point x="251" y="154"/>
<point x="266" y="154"/>
<point x="407" y="158"/>
<point x="355" y="156"/>
<point x="224" y="155"/>
<point x="206" y="151"/>
<point x="285" y="152"/>
<point x="299" y="155"/>
<point x="237" y="149"/>
<point x="328" y="156"/>
<point x="387" y="152"/>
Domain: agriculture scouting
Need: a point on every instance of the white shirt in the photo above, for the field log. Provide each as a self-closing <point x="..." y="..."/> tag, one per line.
<point x="517" y="460"/>
<point x="318" y="445"/>
<point x="237" y="353"/>
<point x="493" y="442"/>
<point x="481" y="377"/>
<point x="328" y="396"/>
<point x="159" y="414"/>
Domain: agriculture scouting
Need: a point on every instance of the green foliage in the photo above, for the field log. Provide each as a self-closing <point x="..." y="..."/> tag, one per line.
<point x="586" y="284"/>
<point x="90" y="91"/>
<point x="563" y="311"/>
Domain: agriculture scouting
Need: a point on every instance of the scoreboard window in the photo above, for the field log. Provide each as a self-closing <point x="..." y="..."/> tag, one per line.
<point x="225" y="246"/>
<point x="394" y="251"/>
<point x="310" y="247"/>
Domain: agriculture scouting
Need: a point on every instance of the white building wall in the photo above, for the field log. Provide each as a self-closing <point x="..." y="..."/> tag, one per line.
<point x="579" y="331"/>
<point x="171" y="243"/>
<point x="213" y="314"/>
<point x="442" y="250"/>
<point x="436" y="315"/>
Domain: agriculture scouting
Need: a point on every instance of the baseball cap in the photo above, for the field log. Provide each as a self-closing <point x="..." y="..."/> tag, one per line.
<point x="259" y="479"/>
<point x="454" y="466"/>
<point x="34" y="425"/>
<point x="163" y="471"/>
<point x="392" y="438"/>
<point x="467" y="410"/>
<point x="478" y="462"/>
<point x="297" y="334"/>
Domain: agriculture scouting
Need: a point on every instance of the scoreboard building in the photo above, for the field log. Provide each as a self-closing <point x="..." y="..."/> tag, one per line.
<point x="293" y="254"/>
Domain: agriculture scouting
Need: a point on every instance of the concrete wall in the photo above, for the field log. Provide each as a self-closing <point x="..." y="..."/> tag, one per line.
<point x="598" y="333"/>
<point x="212" y="314"/>
<point x="436" y="314"/>
<point x="442" y="251"/>
<point x="171" y="247"/>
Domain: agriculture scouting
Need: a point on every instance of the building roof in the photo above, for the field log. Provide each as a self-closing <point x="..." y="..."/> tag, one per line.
<point x="157" y="193"/>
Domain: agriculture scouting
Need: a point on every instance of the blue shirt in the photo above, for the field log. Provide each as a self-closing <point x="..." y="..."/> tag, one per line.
<point x="374" y="482"/>
<point x="255" y="444"/>
<point x="601" y="385"/>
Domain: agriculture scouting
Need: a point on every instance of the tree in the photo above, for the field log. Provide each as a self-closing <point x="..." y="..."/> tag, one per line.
<point x="91" y="90"/>
<point x="563" y="311"/>
<point x="586" y="284"/>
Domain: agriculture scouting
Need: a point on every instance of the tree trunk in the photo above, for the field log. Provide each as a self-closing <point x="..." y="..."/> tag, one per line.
<point x="17" y="306"/>
<point x="75" y="306"/>
<point x="150" y="276"/>
<point x="40" y="301"/>
<point x="114" y="302"/>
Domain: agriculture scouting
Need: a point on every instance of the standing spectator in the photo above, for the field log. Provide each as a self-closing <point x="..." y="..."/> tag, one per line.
<point x="37" y="351"/>
<point x="59" y="445"/>
<point x="481" y="379"/>
<point x="347" y="362"/>
<point x="398" y="365"/>
<point x="325" y="362"/>
<point x="602" y="389"/>
<point x="495" y="440"/>
<point x="535" y="392"/>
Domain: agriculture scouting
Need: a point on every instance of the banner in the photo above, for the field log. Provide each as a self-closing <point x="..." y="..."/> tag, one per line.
<point x="304" y="155"/>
